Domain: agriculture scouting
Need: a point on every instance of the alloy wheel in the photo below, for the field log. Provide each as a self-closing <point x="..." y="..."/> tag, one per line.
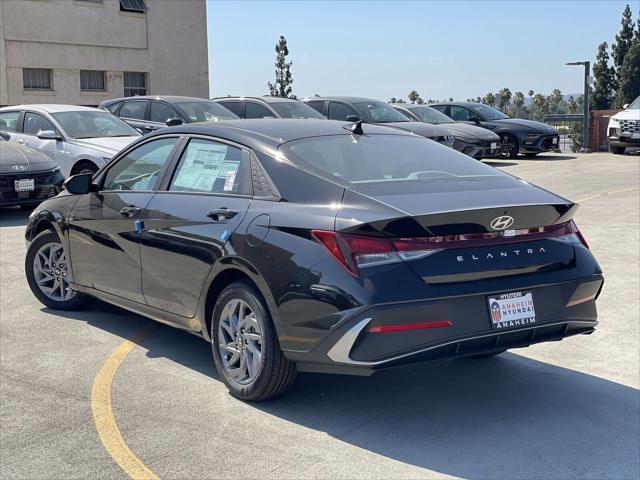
<point x="509" y="147"/>
<point x="51" y="272"/>
<point x="240" y="342"/>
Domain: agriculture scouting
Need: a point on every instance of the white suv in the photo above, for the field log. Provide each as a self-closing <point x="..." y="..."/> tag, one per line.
<point x="624" y="128"/>
<point x="79" y="139"/>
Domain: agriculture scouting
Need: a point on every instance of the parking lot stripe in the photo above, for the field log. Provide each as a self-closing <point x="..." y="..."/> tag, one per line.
<point x="104" y="419"/>
<point x="613" y="192"/>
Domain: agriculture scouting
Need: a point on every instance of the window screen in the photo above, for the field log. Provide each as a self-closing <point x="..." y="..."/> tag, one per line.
<point x="92" y="81"/>
<point x="36" y="79"/>
<point x="133" y="6"/>
<point x="212" y="167"/>
<point x="135" y="83"/>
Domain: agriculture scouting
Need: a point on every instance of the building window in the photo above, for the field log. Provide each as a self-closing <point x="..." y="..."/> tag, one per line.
<point x="133" y="6"/>
<point x="92" y="81"/>
<point x="135" y="83"/>
<point x="36" y="79"/>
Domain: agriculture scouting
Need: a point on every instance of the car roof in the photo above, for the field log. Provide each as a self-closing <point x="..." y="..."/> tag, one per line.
<point x="344" y="99"/>
<point x="266" y="99"/>
<point x="167" y="98"/>
<point x="461" y="104"/>
<point x="273" y="132"/>
<point x="51" y="108"/>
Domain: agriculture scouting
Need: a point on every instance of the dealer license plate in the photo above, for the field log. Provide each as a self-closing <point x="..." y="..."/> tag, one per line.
<point x="511" y="310"/>
<point x="25" y="185"/>
<point x="554" y="141"/>
<point x="494" y="145"/>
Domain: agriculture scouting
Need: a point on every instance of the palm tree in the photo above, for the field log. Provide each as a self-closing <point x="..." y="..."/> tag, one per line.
<point x="413" y="96"/>
<point x="518" y="101"/>
<point x="489" y="99"/>
<point x="505" y="98"/>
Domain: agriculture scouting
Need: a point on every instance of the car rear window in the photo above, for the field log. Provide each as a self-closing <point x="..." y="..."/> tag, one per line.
<point x="382" y="158"/>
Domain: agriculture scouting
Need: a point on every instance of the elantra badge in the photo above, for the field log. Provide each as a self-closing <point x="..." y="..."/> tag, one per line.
<point x="19" y="168"/>
<point x="501" y="223"/>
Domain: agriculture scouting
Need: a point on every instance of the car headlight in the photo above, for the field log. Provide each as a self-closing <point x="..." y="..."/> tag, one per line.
<point x="614" y="123"/>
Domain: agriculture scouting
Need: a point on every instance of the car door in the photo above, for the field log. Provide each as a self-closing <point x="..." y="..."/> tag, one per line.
<point x="134" y="112"/>
<point x="105" y="226"/>
<point x="340" y="111"/>
<point x="187" y="224"/>
<point x="33" y="123"/>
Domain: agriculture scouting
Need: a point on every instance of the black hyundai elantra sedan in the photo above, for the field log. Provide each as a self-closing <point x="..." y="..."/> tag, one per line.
<point x="315" y="245"/>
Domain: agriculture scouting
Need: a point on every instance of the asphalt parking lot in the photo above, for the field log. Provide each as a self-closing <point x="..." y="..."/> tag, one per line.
<point x="559" y="410"/>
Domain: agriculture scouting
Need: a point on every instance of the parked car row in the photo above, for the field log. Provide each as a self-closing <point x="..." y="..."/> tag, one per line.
<point x="82" y="139"/>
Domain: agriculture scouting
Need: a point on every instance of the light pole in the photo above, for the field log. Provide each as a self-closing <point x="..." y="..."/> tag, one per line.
<point x="585" y="106"/>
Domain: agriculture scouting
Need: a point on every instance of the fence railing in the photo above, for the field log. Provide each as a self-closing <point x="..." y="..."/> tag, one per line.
<point x="570" y="128"/>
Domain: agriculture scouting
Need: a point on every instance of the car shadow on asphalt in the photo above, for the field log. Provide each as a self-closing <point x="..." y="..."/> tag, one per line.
<point x="13" y="216"/>
<point x="503" y="417"/>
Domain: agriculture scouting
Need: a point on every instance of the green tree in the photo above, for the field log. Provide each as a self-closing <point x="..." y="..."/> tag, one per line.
<point x="393" y="100"/>
<point x="572" y="105"/>
<point x="629" y="86"/>
<point x="413" y="96"/>
<point x="518" y="103"/>
<point x="556" y="102"/>
<point x="505" y="99"/>
<point x="530" y="93"/>
<point x="623" y="43"/>
<point x="489" y="99"/>
<point x="401" y="101"/>
<point x="539" y="106"/>
<point x="604" y="80"/>
<point x="282" y="85"/>
<point x="420" y="101"/>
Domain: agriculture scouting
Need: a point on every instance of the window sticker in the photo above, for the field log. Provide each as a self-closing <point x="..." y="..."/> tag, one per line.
<point x="202" y="165"/>
<point x="230" y="180"/>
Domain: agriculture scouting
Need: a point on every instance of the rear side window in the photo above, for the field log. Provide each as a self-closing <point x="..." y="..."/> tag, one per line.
<point x="255" y="110"/>
<point x="207" y="166"/>
<point x="9" y="121"/>
<point x="113" y="107"/>
<point x="235" y="107"/>
<point x="133" y="110"/>
<point x="317" y="105"/>
<point x="383" y="158"/>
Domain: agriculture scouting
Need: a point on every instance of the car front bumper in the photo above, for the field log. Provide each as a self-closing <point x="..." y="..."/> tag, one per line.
<point x="463" y="327"/>
<point x="538" y="143"/>
<point x="478" y="149"/>
<point x="617" y="139"/>
<point x="47" y="184"/>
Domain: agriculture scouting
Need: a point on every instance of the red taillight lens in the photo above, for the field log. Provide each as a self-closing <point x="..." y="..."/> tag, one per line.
<point x="355" y="251"/>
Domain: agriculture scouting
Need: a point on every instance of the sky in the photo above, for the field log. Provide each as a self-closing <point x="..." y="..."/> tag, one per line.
<point x="379" y="49"/>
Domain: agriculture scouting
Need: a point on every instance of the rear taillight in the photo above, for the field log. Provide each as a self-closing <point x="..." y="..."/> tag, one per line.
<point x="354" y="251"/>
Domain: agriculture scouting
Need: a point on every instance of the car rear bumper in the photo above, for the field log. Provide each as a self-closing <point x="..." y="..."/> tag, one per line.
<point x="461" y="327"/>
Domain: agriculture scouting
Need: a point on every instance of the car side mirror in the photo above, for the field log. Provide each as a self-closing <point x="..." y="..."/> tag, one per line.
<point x="48" y="135"/>
<point x="172" y="122"/>
<point x="80" y="184"/>
<point x="353" y="118"/>
<point x="625" y="106"/>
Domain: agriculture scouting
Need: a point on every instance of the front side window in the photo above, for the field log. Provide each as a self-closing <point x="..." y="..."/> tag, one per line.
<point x="135" y="83"/>
<point x="205" y="111"/>
<point x="9" y="121"/>
<point x="461" y="114"/>
<point x="36" y="79"/>
<point x="430" y="115"/>
<point x="255" y="110"/>
<point x="340" y="111"/>
<point x="93" y="124"/>
<point x="161" y="112"/>
<point x="295" y="110"/>
<point x="379" y="112"/>
<point x="134" y="110"/>
<point x="140" y="168"/>
<point x="35" y="123"/>
<point x="92" y="81"/>
<point x="382" y="158"/>
<point x="207" y="166"/>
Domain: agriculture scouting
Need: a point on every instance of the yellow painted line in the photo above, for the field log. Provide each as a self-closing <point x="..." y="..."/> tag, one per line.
<point x="613" y="192"/>
<point x="103" y="413"/>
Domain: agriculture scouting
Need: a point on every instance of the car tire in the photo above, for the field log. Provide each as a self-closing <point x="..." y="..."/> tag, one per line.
<point x="84" y="166"/>
<point x="509" y="145"/>
<point x="616" y="150"/>
<point x="245" y="346"/>
<point x="47" y="274"/>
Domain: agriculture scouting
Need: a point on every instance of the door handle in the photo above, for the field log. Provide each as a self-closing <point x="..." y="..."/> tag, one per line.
<point x="130" y="211"/>
<point x="23" y="142"/>
<point x="221" y="214"/>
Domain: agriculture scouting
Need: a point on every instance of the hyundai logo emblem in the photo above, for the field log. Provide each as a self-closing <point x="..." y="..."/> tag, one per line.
<point x="19" y="168"/>
<point x="500" y="223"/>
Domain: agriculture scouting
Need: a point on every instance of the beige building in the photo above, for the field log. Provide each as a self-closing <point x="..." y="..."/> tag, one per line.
<point x="84" y="51"/>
